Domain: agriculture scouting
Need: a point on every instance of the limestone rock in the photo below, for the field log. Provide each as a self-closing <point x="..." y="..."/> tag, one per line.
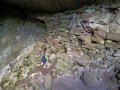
<point x="112" y="45"/>
<point x="52" y="56"/>
<point x="47" y="5"/>
<point x="48" y="81"/>
<point x="98" y="40"/>
<point x="86" y="39"/>
<point x="100" y="20"/>
<point x="117" y="53"/>
<point x="90" y="79"/>
<point x="115" y="24"/>
<point x="61" y="64"/>
<point x="75" y="32"/>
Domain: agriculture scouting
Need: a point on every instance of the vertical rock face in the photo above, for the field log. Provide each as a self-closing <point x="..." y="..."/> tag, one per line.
<point x="49" y="5"/>
<point x="15" y="35"/>
<point x="55" y="5"/>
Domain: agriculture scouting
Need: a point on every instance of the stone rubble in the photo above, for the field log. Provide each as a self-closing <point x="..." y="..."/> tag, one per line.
<point x="93" y="48"/>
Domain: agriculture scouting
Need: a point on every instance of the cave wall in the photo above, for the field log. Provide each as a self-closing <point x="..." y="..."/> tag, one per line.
<point x="55" y="5"/>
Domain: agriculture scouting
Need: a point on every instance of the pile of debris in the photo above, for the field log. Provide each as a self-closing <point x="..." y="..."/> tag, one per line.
<point x="91" y="40"/>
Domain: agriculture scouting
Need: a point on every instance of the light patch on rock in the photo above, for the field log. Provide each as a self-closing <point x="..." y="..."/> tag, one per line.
<point x="48" y="81"/>
<point x="52" y="56"/>
<point x="90" y="79"/>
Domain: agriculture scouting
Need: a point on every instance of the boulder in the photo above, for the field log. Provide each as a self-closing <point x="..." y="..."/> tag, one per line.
<point x="90" y="79"/>
<point x="48" y="81"/>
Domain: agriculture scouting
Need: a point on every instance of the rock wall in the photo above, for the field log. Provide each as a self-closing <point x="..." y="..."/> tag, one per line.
<point x="15" y="35"/>
<point x="55" y="5"/>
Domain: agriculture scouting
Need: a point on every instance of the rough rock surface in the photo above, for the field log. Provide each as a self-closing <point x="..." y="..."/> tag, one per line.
<point x="57" y="5"/>
<point x="15" y="35"/>
<point x="74" y="62"/>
